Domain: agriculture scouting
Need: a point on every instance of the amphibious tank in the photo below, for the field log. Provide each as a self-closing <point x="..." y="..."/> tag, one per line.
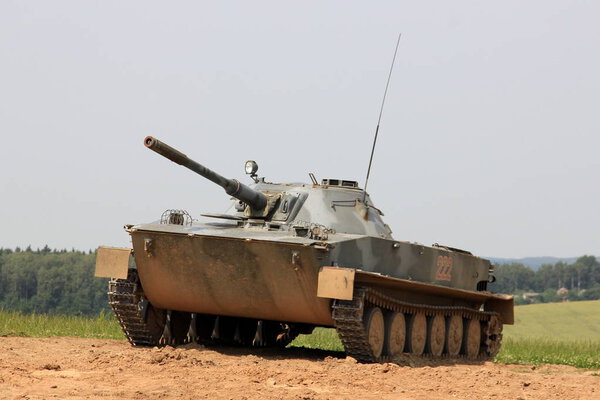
<point x="285" y="258"/>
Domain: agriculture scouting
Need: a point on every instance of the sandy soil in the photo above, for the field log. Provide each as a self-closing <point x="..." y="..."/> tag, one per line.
<point x="70" y="368"/>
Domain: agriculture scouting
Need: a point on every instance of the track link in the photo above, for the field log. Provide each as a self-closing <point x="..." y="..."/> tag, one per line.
<point x="130" y="308"/>
<point x="348" y="319"/>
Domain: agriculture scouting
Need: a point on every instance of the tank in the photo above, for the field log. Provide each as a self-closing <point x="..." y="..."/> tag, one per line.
<point x="286" y="258"/>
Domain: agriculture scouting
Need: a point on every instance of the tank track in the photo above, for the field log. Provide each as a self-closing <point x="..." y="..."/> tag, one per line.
<point x="127" y="304"/>
<point x="132" y="309"/>
<point x="349" y="324"/>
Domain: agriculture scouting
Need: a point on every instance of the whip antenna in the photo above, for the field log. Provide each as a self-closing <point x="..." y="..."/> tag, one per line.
<point x="379" y="119"/>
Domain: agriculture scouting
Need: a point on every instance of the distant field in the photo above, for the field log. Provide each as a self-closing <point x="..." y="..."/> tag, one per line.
<point x="553" y="333"/>
<point x="565" y="321"/>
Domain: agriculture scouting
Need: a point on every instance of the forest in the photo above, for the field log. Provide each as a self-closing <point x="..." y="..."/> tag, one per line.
<point x="47" y="281"/>
<point x="551" y="282"/>
<point x="51" y="282"/>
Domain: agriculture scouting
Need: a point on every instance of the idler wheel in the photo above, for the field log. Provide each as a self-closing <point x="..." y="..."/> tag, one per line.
<point x="375" y="328"/>
<point x="436" y="334"/>
<point x="454" y="334"/>
<point x="472" y="339"/>
<point x="417" y="334"/>
<point x="493" y="336"/>
<point x="395" y="334"/>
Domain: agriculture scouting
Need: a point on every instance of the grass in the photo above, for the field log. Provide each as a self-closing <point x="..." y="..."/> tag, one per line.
<point x="555" y="333"/>
<point x="321" y="338"/>
<point x="41" y="325"/>
<point x="572" y="321"/>
<point x="577" y="353"/>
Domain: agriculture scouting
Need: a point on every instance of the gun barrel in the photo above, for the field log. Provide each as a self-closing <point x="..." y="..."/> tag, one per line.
<point x="232" y="187"/>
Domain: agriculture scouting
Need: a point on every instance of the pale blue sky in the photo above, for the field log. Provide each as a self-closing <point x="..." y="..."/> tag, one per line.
<point x="489" y="140"/>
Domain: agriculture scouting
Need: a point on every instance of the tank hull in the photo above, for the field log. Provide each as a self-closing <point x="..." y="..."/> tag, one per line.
<point x="278" y="280"/>
<point x="231" y="276"/>
<point x="216" y="285"/>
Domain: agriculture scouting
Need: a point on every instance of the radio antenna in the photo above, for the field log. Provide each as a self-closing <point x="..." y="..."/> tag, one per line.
<point x="379" y="119"/>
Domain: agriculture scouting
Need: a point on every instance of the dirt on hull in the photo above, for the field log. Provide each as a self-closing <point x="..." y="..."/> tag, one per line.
<point x="70" y="368"/>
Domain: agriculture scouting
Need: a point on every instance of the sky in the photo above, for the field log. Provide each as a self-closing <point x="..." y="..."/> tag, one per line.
<point x="489" y="139"/>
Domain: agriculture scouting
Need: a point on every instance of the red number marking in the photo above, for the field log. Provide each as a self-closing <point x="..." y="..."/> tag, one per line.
<point x="444" y="268"/>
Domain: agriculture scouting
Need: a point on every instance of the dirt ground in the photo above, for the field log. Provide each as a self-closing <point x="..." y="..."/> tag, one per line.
<point x="71" y="368"/>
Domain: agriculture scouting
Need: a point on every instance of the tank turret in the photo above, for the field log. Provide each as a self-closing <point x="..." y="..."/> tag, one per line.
<point x="256" y="200"/>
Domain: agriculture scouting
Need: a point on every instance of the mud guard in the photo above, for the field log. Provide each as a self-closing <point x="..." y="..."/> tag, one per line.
<point x="112" y="262"/>
<point x="336" y="283"/>
<point x="503" y="305"/>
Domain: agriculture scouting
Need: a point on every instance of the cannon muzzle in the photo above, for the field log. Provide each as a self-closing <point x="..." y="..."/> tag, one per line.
<point x="253" y="198"/>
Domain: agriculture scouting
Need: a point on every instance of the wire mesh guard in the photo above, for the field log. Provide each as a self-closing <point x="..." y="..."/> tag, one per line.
<point x="176" y="217"/>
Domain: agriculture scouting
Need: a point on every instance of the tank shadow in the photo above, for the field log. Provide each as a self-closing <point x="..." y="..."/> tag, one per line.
<point x="304" y="353"/>
<point x="272" y="353"/>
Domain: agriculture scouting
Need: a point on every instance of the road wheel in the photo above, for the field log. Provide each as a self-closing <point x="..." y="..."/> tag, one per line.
<point x="156" y="318"/>
<point x="224" y="330"/>
<point x="204" y="326"/>
<point x="436" y="335"/>
<point x="375" y="328"/>
<point x="245" y="331"/>
<point x="454" y="334"/>
<point x="472" y="339"/>
<point x="417" y="334"/>
<point x="395" y="334"/>
<point x="179" y="327"/>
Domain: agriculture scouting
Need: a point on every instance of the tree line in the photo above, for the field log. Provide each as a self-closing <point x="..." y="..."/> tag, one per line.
<point x="551" y="282"/>
<point x="51" y="282"/>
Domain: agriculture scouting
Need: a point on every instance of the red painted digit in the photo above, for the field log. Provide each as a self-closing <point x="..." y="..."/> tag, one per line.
<point x="444" y="268"/>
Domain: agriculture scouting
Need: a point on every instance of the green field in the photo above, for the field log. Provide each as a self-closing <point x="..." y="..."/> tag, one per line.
<point x="41" y="325"/>
<point x="564" y="321"/>
<point x="553" y="333"/>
